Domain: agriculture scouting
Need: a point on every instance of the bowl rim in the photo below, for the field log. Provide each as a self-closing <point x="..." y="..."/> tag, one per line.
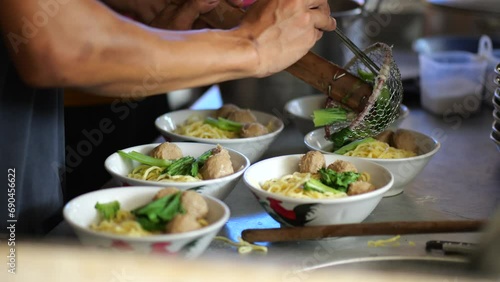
<point x="152" y="238"/>
<point x="288" y="105"/>
<point x="226" y="178"/>
<point x="360" y="197"/>
<point x="269" y="135"/>
<point x="422" y="156"/>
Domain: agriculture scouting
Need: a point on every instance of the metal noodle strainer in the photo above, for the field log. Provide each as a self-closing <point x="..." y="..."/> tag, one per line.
<point x="376" y="66"/>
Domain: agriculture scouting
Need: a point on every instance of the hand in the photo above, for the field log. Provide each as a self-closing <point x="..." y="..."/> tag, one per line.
<point x="283" y="31"/>
<point x="182" y="14"/>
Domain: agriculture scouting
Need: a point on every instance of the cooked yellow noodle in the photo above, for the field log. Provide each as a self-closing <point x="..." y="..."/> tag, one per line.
<point x="292" y="185"/>
<point x="124" y="224"/>
<point x="365" y="176"/>
<point x="379" y="150"/>
<point x="154" y="173"/>
<point x="195" y="127"/>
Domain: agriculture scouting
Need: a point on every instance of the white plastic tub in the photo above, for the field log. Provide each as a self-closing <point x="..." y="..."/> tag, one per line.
<point x="451" y="81"/>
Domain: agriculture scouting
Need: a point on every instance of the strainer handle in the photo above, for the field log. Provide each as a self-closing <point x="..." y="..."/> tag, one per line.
<point x="325" y="76"/>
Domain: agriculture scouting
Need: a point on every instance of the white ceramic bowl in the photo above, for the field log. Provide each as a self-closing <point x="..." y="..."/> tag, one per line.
<point x="309" y="212"/>
<point x="120" y="167"/>
<point x="404" y="170"/>
<point x="80" y="214"/>
<point x="253" y="148"/>
<point x="300" y="111"/>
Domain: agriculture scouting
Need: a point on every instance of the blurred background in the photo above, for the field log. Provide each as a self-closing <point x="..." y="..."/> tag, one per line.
<point x="449" y="24"/>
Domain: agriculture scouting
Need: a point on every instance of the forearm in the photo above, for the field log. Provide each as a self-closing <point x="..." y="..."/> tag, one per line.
<point x="165" y="60"/>
<point x="117" y="57"/>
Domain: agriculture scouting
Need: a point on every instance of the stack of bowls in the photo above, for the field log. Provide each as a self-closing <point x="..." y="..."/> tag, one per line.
<point x="495" y="128"/>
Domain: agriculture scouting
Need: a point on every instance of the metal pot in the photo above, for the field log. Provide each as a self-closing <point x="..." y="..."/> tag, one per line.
<point x="462" y="17"/>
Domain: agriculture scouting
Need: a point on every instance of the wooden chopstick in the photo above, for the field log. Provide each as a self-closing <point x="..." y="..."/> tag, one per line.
<point x="360" y="229"/>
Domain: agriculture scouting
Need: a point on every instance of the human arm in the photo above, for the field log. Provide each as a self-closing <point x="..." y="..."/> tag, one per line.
<point x="86" y="45"/>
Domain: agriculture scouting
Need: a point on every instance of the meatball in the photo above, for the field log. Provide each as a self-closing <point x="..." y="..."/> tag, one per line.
<point x="385" y="136"/>
<point x="225" y="110"/>
<point x="167" y="151"/>
<point x="194" y="204"/>
<point x="218" y="165"/>
<point x="165" y="192"/>
<point x="342" y="166"/>
<point x="253" y="129"/>
<point x="182" y="223"/>
<point x="311" y="162"/>
<point x="242" y="116"/>
<point x="359" y="187"/>
<point x="403" y="139"/>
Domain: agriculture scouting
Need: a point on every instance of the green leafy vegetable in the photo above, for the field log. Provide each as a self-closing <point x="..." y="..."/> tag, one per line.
<point x="351" y="146"/>
<point x="145" y="159"/>
<point x="200" y="161"/>
<point x="341" y="137"/>
<point x="155" y="215"/>
<point x="366" y="76"/>
<point x="224" y="124"/>
<point x="317" y="185"/>
<point x="107" y="211"/>
<point x="338" y="180"/>
<point x="331" y="181"/>
<point x="181" y="166"/>
<point x="328" y="116"/>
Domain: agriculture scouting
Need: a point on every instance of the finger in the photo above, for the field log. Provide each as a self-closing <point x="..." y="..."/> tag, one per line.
<point x="325" y="8"/>
<point x="323" y="21"/>
<point x="319" y="34"/>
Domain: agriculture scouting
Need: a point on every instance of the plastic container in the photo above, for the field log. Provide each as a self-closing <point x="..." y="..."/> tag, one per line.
<point x="451" y="82"/>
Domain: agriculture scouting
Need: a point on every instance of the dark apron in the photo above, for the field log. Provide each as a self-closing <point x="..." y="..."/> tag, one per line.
<point x="31" y="154"/>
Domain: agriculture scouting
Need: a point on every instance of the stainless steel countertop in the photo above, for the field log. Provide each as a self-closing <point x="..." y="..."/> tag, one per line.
<point x="462" y="181"/>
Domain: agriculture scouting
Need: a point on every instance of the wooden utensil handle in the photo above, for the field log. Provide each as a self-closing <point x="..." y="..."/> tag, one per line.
<point x="325" y="76"/>
<point x="359" y="229"/>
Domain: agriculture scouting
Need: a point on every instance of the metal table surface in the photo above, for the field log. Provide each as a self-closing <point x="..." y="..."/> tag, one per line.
<point x="462" y="181"/>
